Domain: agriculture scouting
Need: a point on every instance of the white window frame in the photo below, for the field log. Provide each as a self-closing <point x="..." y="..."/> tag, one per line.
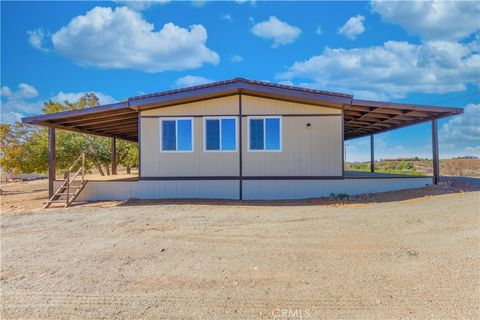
<point x="220" y="133"/>
<point x="176" y="134"/>
<point x="264" y="132"/>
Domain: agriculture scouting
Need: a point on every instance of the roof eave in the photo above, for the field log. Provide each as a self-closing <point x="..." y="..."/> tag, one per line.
<point x="398" y="127"/>
<point x="71" y="113"/>
<point x="396" y="105"/>
<point x="234" y="88"/>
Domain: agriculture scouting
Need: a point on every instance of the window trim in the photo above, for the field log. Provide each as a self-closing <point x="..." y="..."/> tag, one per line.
<point x="176" y="134"/>
<point x="220" y="133"/>
<point x="264" y="133"/>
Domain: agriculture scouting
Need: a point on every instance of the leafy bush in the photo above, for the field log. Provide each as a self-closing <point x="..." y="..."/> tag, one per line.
<point x="340" y="196"/>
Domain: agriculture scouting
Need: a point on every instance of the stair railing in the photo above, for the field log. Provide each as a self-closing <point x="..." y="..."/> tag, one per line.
<point x="67" y="175"/>
<point x="70" y="176"/>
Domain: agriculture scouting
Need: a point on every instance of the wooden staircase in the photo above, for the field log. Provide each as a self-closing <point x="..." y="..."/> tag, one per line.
<point x="71" y="187"/>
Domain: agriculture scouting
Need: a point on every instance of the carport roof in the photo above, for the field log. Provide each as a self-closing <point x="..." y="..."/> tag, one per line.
<point x="361" y="117"/>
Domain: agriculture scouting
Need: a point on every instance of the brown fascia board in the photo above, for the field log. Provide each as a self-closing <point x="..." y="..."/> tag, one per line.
<point x="44" y="118"/>
<point x="403" y="106"/>
<point x="74" y="129"/>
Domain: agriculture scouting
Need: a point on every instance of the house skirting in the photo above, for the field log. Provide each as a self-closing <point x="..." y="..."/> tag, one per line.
<point x="252" y="189"/>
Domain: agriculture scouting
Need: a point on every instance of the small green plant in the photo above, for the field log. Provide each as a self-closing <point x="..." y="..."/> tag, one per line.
<point x="340" y="196"/>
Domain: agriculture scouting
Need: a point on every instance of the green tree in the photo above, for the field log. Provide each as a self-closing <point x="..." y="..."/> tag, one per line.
<point x="127" y="153"/>
<point x="24" y="148"/>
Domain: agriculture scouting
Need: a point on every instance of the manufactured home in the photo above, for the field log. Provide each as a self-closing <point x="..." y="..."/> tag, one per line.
<point x="240" y="139"/>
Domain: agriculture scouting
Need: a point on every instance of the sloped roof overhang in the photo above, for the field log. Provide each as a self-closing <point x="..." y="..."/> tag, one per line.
<point x="361" y="117"/>
<point x="364" y="118"/>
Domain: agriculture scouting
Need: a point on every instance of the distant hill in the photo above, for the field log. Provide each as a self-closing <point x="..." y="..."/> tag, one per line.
<point x="468" y="157"/>
<point x="462" y="166"/>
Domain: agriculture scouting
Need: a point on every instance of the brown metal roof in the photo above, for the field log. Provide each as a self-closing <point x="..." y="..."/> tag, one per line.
<point x="362" y="117"/>
<point x="222" y="84"/>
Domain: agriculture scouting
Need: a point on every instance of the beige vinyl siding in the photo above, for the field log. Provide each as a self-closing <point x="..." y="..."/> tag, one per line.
<point x="316" y="151"/>
<point x="313" y="151"/>
<point x="262" y="106"/>
<point x="188" y="164"/>
<point x="219" y="106"/>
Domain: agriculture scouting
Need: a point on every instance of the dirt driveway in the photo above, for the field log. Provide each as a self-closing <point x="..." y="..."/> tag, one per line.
<point x="411" y="257"/>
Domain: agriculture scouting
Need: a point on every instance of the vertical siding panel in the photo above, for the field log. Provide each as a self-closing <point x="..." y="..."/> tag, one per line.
<point x="256" y="105"/>
<point x="197" y="163"/>
<point x="315" y="151"/>
<point x="223" y="105"/>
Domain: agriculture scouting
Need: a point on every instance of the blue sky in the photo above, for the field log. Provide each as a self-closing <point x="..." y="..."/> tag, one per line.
<point x="416" y="52"/>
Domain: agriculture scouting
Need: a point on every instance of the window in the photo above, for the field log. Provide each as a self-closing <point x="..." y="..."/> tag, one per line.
<point x="177" y="135"/>
<point x="220" y="134"/>
<point x="265" y="134"/>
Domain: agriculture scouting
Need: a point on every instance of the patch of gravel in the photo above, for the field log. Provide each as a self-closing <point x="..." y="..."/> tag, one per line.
<point x="403" y="255"/>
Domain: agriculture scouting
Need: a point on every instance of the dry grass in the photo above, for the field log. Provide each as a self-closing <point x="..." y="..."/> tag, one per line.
<point x="460" y="167"/>
<point x="448" y="167"/>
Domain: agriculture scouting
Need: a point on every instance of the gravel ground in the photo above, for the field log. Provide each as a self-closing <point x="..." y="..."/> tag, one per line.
<point x="404" y="255"/>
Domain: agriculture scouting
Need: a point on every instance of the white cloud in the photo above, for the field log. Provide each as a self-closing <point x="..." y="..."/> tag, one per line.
<point x="24" y="101"/>
<point x="358" y="150"/>
<point x="464" y="127"/>
<point x="280" y="32"/>
<point x="462" y="133"/>
<point x="432" y="20"/>
<point x="75" y="96"/>
<point x="252" y="2"/>
<point x="141" y="5"/>
<point x="475" y="149"/>
<point x="24" y="91"/>
<point x="190" y="81"/>
<point x="227" y="17"/>
<point x="11" y="117"/>
<point x="286" y="83"/>
<point x="5" y="91"/>
<point x="236" y="58"/>
<point x="199" y="3"/>
<point x="37" y="38"/>
<point x="16" y="103"/>
<point x="353" y="27"/>
<point x="392" y="70"/>
<point x="319" y="30"/>
<point x="123" y="39"/>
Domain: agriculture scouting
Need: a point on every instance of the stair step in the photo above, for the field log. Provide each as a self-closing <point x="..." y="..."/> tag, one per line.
<point x="66" y="193"/>
<point x="74" y="190"/>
